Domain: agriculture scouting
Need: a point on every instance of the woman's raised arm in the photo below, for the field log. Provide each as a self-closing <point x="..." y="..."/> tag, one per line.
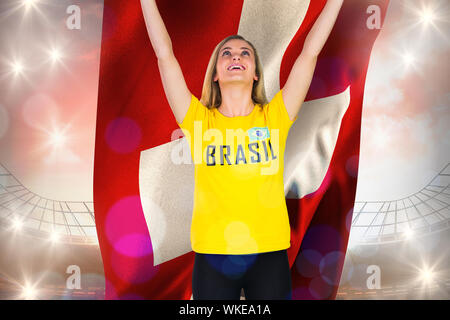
<point x="177" y="92"/>
<point x="300" y="77"/>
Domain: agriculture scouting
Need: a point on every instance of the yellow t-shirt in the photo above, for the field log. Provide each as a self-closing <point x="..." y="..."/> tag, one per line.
<point x="239" y="201"/>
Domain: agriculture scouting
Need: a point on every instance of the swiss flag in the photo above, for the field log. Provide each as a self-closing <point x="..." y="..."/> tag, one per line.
<point x="143" y="197"/>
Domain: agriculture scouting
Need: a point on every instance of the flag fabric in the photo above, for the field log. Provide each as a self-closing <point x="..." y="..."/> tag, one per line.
<point x="143" y="194"/>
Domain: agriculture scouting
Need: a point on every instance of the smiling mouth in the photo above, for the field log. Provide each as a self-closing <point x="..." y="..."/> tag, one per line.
<point x="236" y="68"/>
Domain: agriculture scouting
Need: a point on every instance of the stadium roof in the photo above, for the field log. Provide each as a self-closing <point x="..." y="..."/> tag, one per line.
<point x="423" y="212"/>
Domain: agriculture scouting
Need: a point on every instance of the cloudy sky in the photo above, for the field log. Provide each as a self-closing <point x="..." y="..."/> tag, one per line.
<point x="48" y="110"/>
<point x="405" y="136"/>
<point x="49" y="83"/>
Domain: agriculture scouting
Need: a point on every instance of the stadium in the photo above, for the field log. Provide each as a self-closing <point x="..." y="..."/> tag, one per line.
<point x="397" y="248"/>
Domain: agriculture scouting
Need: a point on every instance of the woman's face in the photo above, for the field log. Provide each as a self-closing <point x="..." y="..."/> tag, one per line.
<point x="236" y="62"/>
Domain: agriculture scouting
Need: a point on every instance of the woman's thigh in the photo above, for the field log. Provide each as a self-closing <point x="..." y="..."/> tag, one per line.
<point x="213" y="280"/>
<point x="269" y="277"/>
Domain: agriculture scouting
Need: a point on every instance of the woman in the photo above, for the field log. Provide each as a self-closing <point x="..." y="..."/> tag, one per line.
<point x="240" y="229"/>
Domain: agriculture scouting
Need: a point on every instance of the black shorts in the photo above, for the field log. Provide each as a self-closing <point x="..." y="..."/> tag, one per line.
<point x="262" y="276"/>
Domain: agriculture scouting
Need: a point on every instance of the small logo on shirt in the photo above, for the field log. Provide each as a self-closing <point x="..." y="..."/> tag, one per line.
<point x="258" y="133"/>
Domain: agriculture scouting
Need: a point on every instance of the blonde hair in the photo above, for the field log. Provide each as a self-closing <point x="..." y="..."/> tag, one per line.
<point x="211" y="95"/>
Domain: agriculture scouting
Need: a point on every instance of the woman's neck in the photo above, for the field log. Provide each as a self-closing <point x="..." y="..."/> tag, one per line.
<point x="236" y="100"/>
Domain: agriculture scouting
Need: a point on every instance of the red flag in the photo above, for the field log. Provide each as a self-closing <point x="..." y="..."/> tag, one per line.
<point x="141" y="199"/>
<point x="320" y="221"/>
